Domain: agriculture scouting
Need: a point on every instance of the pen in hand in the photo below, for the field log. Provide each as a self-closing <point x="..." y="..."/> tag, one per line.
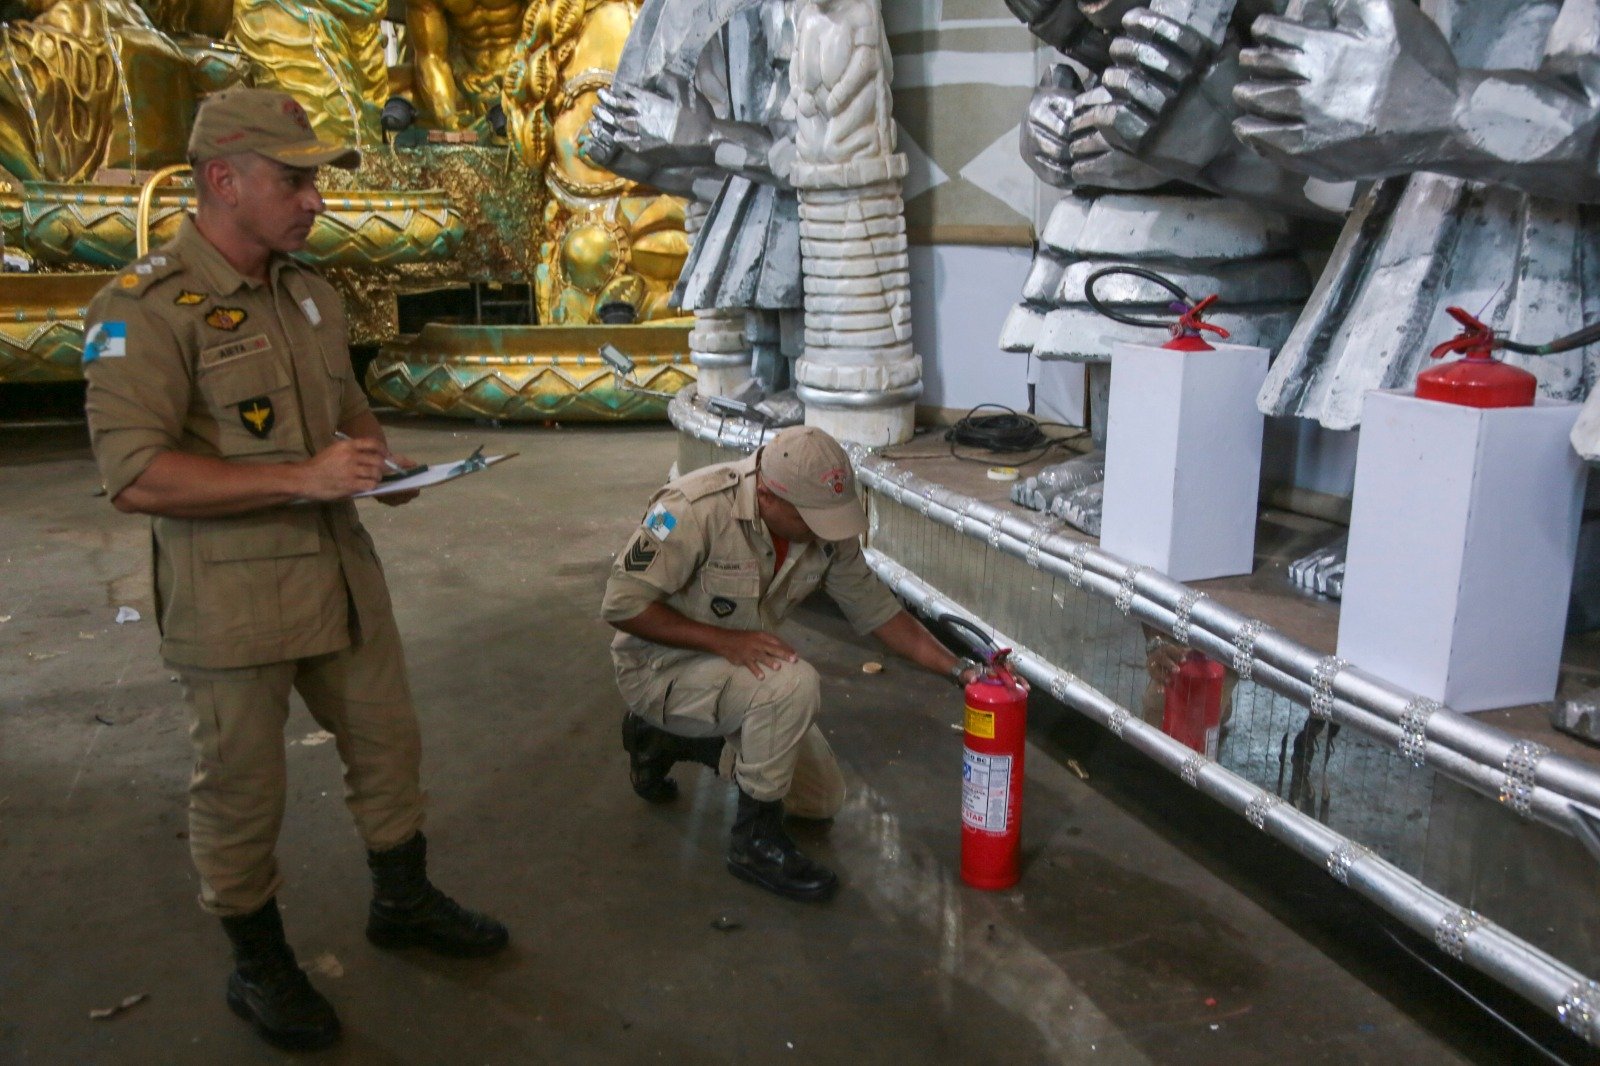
<point x="394" y="467"/>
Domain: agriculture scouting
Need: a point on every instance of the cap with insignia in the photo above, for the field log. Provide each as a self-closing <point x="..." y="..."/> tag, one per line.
<point x="805" y="466"/>
<point x="267" y="122"/>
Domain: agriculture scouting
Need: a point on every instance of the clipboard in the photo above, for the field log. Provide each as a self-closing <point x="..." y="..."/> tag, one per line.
<point x="436" y="474"/>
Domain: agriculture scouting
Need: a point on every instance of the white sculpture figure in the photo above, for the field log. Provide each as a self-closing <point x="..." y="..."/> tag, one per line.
<point x="840" y="83"/>
<point x="859" y="377"/>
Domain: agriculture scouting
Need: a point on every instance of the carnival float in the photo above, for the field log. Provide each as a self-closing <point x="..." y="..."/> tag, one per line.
<point x="471" y="184"/>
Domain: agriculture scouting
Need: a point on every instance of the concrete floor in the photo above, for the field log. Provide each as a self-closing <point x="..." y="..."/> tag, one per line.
<point x="1147" y="928"/>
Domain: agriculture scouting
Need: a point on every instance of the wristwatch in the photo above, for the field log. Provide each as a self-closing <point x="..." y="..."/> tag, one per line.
<point x="961" y="667"/>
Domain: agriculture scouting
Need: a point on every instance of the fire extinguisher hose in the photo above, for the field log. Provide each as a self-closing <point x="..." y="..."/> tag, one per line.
<point x="1587" y="335"/>
<point x="984" y="645"/>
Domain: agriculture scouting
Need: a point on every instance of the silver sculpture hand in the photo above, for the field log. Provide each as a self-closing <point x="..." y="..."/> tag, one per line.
<point x="1098" y="162"/>
<point x="1348" y="89"/>
<point x="1047" y="125"/>
<point x="1355" y="89"/>
<point x="1155" y="59"/>
<point x="663" y="129"/>
<point x="1062" y="146"/>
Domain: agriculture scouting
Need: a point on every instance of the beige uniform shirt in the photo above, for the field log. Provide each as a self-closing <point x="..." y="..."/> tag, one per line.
<point x="182" y="353"/>
<point x="703" y="550"/>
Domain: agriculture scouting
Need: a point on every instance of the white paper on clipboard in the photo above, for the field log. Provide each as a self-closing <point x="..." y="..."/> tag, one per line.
<point x="435" y="475"/>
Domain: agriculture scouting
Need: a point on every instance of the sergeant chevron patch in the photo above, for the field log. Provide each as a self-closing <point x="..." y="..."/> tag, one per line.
<point x="641" y="553"/>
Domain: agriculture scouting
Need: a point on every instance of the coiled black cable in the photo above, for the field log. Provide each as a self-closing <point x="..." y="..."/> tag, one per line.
<point x="1008" y="432"/>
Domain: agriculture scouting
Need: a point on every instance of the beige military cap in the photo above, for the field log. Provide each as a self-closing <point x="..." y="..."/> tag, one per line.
<point x="805" y="466"/>
<point x="270" y="123"/>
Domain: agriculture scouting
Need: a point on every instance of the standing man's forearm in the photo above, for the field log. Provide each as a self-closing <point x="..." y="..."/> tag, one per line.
<point x="179" y="485"/>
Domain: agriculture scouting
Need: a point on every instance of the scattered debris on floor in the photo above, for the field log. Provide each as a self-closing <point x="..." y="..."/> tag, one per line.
<point x="311" y="740"/>
<point x="325" y="965"/>
<point x="126" y="614"/>
<point x="1077" y="768"/>
<point x="100" y="1014"/>
<point x="85" y="636"/>
<point x="103" y="720"/>
<point x="872" y="668"/>
<point x="4" y="618"/>
<point x="724" y="924"/>
<point x="42" y="656"/>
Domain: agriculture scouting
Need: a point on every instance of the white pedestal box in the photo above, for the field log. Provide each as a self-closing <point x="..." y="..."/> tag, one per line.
<point x="1463" y="531"/>
<point x="1183" y="459"/>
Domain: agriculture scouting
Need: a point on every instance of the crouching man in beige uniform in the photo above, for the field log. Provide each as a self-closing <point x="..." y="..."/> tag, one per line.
<point x="219" y="386"/>
<point x="721" y="558"/>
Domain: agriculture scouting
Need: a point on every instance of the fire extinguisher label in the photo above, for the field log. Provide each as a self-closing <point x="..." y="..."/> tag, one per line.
<point x="980" y="723"/>
<point x="985" y="790"/>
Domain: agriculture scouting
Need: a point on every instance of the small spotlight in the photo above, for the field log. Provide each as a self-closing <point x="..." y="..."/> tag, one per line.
<point x="619" y="363"/>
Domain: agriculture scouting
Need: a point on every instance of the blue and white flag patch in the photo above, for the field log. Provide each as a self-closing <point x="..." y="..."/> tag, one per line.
<point x="660" y="522"/>
<point x="105" y="340"/>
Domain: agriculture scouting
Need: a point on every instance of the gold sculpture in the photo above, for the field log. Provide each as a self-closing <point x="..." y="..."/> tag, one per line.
<point x="195" y="18"/>
<point x="41" y="329"/>
<point x="86" y="84"/>
<point x="606" y="240"/>
<point x="327" y="54"/>
<point x="530" y="373"/>
<point x="90" y="84"/>
<point x="96" y="224"/>
<point x="460" y="51"/>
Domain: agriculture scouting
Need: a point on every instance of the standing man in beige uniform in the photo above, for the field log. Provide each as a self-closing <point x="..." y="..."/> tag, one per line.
<point x="721" y="558"/>
<point x="219" y="385"/>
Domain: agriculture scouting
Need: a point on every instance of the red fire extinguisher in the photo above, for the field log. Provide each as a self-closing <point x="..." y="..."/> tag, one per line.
<point x="1186" y="335"/>
<point x="991" y="771"/>
<point x="1478" y="379"/>
<point x="1193" y="712"/>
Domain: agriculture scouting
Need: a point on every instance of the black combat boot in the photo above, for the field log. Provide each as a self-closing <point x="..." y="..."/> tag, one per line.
<point x="270" y="991"/>
<point x="652" y="751"/>
<point x="762" y="853"/>
<point x="408" y="911"/>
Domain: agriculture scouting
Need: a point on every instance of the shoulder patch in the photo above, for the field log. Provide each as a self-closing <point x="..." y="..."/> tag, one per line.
<point x="641" y="553"/>
<point x="105" y="340"/>
<point x="188" y="298"/>
<point x="137" y="277"/>
<point x="660" y="522"/>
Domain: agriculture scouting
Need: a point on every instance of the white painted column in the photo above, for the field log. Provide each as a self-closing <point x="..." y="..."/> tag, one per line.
<point x="859" y="377"/>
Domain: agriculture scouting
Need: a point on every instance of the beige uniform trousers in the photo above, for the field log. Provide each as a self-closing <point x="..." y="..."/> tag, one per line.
<point x="776" y="749"/>
<point x="236" y="797"/>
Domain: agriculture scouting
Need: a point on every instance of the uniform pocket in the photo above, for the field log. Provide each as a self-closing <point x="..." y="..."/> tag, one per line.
<point x="736" y="579"/>
<point x="232" y="383"/>
<point x="280" y="534"/>
<point x="253" y="405"/>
